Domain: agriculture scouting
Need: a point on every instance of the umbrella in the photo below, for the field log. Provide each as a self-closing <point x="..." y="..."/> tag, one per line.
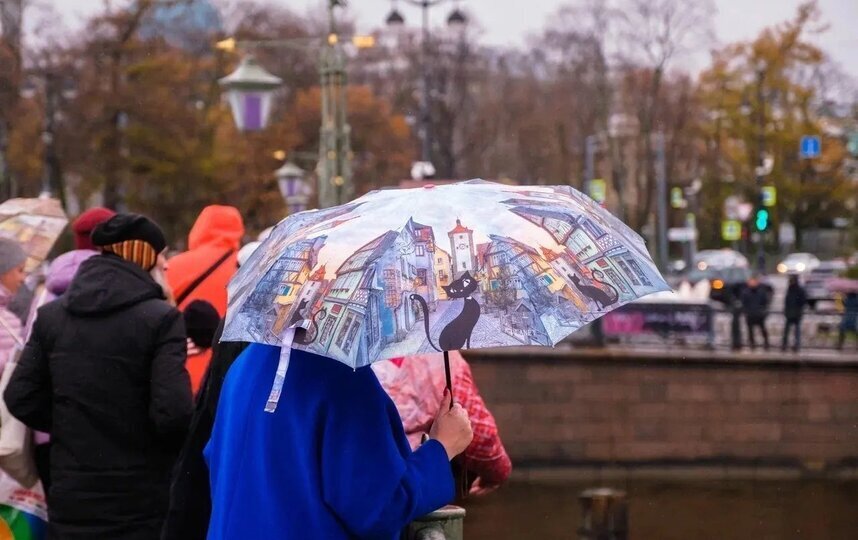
<point x="35" y="223"/>
<point x="468" y="265"/>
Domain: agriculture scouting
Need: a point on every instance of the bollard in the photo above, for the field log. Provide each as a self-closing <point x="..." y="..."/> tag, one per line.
<point x="603" y="515"/>
<point x="447" y="523"/>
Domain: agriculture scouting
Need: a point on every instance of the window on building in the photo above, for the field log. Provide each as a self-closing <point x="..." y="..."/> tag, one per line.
<point x="464" y="266"/>
<point x="286" y="290"/>
<point x="421" y="251"/>
<point x="344" y="329"/>
<point x="547" y="279"/>
<point x="640" y="273"/>
<point x="421" y="275"/>
<point x="327" y="330"/>
<point x="350" y="338"/>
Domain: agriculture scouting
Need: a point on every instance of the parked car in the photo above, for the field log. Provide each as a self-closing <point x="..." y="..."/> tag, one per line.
<point x="816" y="284"/>
<point x="798" y="263"/>
<point x="719" y="258"/>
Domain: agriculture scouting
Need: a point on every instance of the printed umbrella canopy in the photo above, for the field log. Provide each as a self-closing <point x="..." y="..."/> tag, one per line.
<point x="468" y="265"/>
<point x="35" y="223"/>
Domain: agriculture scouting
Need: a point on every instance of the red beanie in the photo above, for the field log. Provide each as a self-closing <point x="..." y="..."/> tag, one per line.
<point x="86" y="222"/>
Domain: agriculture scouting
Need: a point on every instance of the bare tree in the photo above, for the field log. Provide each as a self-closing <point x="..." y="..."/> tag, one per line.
<point x="652" y="34"/>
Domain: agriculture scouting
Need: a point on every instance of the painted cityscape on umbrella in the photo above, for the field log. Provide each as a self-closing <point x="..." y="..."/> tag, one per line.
<point x="468" y="265"/>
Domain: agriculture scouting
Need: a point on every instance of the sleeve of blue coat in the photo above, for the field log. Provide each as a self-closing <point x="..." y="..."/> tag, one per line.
<point x="371" y="480"/>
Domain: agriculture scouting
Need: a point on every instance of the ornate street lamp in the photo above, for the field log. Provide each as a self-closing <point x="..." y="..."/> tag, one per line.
<point x="294" y="188"/>
<point x="250" y="89"/>
<point x="457" y="21"/>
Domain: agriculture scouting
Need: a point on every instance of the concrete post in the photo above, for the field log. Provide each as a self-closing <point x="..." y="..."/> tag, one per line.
<point x="447" y="523"/>
<point x="604" y="515"/>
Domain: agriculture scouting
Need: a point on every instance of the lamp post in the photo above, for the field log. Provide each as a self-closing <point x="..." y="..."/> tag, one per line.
<point x="250" y="91"/>
<point x="293" y="186"/>
<point x="456" y="19"/>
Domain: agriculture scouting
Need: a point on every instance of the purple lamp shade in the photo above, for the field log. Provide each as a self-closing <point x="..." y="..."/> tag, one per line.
<point x="251" y="110"/>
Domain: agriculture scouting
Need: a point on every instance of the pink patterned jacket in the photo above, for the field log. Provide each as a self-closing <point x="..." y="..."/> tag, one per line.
<point x="416" y="385"/>
<point x="14" y="335"/>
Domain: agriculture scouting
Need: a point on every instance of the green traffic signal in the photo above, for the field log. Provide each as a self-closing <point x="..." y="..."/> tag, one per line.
<point x="762" y="221"/>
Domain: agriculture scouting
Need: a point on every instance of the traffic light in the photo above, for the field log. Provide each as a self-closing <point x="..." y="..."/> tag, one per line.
<point x="762" y="219"/>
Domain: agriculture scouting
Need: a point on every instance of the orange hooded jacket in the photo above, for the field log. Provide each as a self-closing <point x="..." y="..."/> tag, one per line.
<point x="216" y="233"/>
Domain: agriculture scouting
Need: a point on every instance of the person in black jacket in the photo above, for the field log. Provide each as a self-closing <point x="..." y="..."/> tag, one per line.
<point x="796" y="299"/>
<point x="755" y="305"/>
<point x="104" y="374"/>
<point x="190" y="492"/>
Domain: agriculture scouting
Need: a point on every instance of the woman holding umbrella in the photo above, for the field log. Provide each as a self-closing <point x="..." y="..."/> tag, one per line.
<point x="332" y="461"/>
<point x="394" y="273"/>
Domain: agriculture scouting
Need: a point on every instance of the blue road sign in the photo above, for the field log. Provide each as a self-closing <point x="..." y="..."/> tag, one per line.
<point x="810" y="147"/>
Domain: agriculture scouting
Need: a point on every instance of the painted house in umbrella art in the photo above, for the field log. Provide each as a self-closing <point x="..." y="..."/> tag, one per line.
<point x="610" y="263"/>
<point x="424" y="261"/>
<point x="277" y="290"/>
<point x="371" y="288"/>
<point x="443" y="272"/>
<point x="521" y="285"/>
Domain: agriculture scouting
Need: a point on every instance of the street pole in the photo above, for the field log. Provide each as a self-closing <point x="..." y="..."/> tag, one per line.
<point x="761" y="144"/>
<point x="589" y="153"/>
<point x="50" y="160"/>
<point x="661" y="203"/>
<point x="334" y="171"/>
<point x="425" y="104"/>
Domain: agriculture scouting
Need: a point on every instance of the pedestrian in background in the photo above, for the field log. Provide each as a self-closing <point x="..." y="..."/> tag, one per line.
<point x="201" y="323"/>
<point x="190" y="490"/>
<point x="104" y="374"/>
<point x="796" y="299"/>
<point x="203" y="272"/>
<point x="63" y="269"/>
<point x="755" y="305"/>
<point x="12" y="275"/>
<point x="849" y="322"/>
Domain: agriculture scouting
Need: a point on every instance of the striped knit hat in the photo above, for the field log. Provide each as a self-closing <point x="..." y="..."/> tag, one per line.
<point x="135" y="238"/>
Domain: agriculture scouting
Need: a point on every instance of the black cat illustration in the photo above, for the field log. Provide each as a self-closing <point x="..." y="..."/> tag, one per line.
<point x="602" y="298"/>
<point x="302" y="334"/>
<point x="457" y="334"/>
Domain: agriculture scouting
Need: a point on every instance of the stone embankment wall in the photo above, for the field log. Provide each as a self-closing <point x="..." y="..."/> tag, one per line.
<point x="615" y="408"/>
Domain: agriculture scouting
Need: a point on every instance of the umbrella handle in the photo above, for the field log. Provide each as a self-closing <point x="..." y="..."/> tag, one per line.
<point x="449" y="377"/>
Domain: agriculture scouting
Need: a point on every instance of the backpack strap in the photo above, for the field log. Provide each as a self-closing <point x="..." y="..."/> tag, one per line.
<point x="202" y="277"/>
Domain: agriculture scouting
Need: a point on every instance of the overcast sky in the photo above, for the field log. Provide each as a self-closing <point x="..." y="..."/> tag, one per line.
<point x="512" y="21"/>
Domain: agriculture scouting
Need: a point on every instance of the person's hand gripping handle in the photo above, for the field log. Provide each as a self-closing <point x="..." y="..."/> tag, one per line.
<point x="452" y="427"/>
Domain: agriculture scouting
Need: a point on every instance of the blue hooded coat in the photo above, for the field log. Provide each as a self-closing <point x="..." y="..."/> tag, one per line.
<point x="332" y="462"/>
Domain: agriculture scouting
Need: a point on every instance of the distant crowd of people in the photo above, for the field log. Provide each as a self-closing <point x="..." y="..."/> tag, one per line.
<point x="754" y="303"/>
<point x="146" y="427"/>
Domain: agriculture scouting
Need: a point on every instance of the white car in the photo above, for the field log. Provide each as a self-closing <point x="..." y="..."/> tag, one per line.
<point x="798" y="263"/>
<point x="719" y="258"/>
